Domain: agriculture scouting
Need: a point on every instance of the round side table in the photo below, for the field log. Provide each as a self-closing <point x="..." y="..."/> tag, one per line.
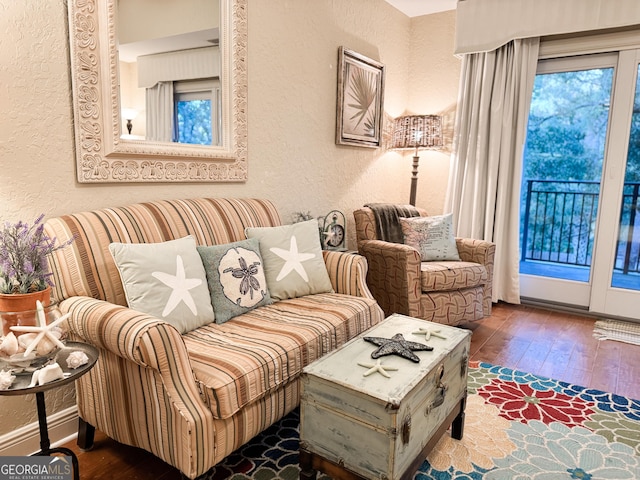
<point x="20" y="386"/>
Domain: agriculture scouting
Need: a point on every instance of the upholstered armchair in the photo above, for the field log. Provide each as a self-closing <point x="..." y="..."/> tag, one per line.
<point x="448" y="292"/>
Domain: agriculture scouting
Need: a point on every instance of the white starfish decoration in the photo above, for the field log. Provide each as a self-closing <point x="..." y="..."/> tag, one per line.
<point x="329" y="235"/>
<point x="42" y="329"/>
<point x="293" y="260"/>
<point x="430" y="332"/>
<point x="180" y="285"/>
<point x="377" y="367"/>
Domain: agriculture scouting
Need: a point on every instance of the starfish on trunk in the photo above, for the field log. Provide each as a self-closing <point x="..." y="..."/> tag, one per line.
<point x="376" y="367"/>
<point x="397" y="345"/>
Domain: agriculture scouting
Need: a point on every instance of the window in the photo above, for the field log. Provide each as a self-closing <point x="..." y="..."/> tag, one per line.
<point x="197" y="112"/>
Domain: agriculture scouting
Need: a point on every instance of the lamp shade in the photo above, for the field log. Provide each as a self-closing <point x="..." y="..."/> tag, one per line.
<point x="129" y="113"/>
<point x="417" y="131"/>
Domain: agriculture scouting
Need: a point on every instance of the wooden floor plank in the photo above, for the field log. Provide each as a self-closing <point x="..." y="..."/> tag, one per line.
<point x="553" y="344"/>
<point x="534" y="357"/>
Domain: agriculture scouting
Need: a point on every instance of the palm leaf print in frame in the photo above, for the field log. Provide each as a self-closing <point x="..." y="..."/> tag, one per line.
<point x="360" y="100"/>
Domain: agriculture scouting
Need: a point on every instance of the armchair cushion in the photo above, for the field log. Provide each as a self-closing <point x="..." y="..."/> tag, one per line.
<point x="442" y="276"/>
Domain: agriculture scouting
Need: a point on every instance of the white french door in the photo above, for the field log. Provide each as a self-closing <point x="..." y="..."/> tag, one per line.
<point x="580" y="239"/>
<point x="614" y="293"/>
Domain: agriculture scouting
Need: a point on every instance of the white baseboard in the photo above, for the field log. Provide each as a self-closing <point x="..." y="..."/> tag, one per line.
<point x="63" y="427"/>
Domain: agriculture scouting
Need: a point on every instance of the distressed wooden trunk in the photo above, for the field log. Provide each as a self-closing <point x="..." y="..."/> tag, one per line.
<point x="356" y="426"/>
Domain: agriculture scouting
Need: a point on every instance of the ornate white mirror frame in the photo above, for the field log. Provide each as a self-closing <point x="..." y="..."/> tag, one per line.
<point x="102" y="156"/>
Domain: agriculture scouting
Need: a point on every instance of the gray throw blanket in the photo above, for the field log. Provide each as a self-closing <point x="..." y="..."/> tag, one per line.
<point x="387" y="217"/>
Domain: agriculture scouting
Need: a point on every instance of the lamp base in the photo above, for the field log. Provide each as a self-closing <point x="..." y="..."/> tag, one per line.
<point x="414" y="180"/>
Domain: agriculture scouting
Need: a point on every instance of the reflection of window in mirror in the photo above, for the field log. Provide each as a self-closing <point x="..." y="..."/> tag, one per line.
<point x="197" y="109"/>
<point x="171" y="61"/>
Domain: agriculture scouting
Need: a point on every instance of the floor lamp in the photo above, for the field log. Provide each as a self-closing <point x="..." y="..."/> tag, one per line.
<point x="129" y="114"/>
<point x="417" y="131"/>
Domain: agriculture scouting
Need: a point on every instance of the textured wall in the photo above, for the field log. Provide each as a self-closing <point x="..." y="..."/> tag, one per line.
<point x="35" y="138"/>
<point x="433" y="89"/>
<point x="293" y="159"/>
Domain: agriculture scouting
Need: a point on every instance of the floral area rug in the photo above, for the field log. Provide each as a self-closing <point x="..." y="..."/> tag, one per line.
<point x="518" y="426"/>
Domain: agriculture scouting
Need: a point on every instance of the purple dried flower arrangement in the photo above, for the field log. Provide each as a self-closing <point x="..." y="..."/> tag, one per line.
<point x="23" y="257"/>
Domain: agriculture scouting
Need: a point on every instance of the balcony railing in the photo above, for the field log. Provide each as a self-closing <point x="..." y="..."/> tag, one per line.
<point x="559" y="223"/>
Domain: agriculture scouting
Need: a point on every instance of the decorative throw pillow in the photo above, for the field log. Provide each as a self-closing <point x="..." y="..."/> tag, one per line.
<point x="433" y="237"/>
<point x="235" y="274"/>
<point x="293" y="262"/>
<point x="166" y="280"/>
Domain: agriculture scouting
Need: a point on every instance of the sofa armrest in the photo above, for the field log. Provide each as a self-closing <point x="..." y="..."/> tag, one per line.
<point x="394" y="276"/>
<point x="132" y="335"/>
<point x="347" y="272"/>
<point x="164" y="369"/>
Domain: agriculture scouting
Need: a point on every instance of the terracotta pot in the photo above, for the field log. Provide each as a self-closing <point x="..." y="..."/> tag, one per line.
<point x="11" y="304"/>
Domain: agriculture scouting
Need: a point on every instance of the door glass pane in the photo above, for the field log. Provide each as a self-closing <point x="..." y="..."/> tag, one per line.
<point x="626" y="269"/>
<point x="563" y="158"/>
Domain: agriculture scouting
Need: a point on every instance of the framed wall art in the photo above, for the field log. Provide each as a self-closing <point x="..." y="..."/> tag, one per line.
<point x="359" y="109"/>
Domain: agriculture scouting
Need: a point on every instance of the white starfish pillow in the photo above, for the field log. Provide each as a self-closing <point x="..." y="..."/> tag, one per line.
<point x="166" y="280"/>
<point x="293" y="261"/>
<point x="180" y="287"/>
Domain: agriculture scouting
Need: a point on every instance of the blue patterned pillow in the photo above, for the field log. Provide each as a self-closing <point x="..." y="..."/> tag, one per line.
<point x="235" y="275"/>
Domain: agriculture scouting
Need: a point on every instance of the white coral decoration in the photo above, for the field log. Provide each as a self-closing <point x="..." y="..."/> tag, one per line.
<point x="77" y="359"/>
<point x="46" y="374"/>
<point x="6" y="379"/>
<point x="43" y="331"/>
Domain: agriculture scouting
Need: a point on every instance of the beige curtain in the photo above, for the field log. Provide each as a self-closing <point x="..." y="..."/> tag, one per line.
<point x="491" y="122"/>
<point x="189" y="64"/>
<point x="484" y="25"/>
<point x="159" y="103"/>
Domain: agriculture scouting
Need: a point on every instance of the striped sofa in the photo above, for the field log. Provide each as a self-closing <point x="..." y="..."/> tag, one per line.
<point x="192" y="399"/>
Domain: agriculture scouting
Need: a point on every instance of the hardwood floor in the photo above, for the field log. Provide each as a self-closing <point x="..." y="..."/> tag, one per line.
<point x="544" y="342"/>
<point x="556" y="345"/>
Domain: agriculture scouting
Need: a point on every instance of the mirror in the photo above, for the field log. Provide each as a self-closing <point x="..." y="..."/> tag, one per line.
<point x="103" y="153"/>
<point x="169" y="70"/>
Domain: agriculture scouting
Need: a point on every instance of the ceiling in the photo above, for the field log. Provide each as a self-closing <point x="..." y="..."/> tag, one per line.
<point x="416" y="8"/>
<point x="129" y="52"/>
